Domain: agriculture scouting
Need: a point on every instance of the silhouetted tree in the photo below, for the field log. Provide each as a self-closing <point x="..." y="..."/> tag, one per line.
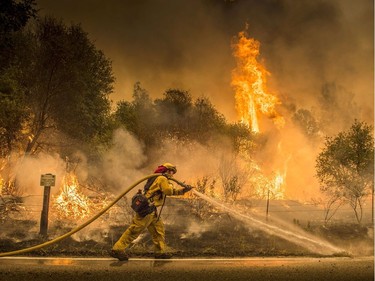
<point x="12" y="116"/>
<point x="14" y="16"/>
<point x="336" y="103"/>
<point x="177" y="115"/>
<point x="66" y="83"/>
<point x="345" y="166"/>
<point x="232" y="176"/>
<point x="205" y="121"/>
<point x="308" y="124"/>
<point x="138" y="116"/>
<point x="173" y="113"/>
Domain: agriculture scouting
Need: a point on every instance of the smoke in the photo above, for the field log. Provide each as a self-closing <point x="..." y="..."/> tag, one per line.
<point x="292" y="153"/>
<point x="305" y="45"/>
<point x="324" y="42"/>
<point x="195" y="229"/>
<point x="122" y="163"/>
<point x="98" y="231"/>
<point x="186" y="44"/>
<point x="29" y="171"/>
<point x="192" y="159"/>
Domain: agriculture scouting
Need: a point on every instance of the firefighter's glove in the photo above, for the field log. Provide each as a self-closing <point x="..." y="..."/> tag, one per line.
<point x="186" y="188"/>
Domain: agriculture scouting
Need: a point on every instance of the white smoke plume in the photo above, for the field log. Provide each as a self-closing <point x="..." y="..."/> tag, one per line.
<point x="123" y="162"/>
<point x="30" y="169"/>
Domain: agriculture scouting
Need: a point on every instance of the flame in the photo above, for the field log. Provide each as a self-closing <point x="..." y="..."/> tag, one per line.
<point x="71" y="203"/>
<point x="272" y="188"/>
<point x="249" y="80"/>
<point x="277" y="186"/>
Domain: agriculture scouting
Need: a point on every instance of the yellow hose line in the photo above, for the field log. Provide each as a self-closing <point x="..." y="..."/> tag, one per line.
<point x="78" y="228"/>
<point x="177" y="181"/>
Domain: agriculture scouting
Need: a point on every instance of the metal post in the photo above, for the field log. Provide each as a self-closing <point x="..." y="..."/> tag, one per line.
<point x="46" y="180"/>
<point x="44" y="215"/>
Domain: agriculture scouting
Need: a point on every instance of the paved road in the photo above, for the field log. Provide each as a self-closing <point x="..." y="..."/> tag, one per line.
<point x="30" y="268"/>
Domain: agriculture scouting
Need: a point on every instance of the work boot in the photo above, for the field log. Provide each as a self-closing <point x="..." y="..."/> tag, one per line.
<point x="120" y="255"/>
<point x="163" y="256"/>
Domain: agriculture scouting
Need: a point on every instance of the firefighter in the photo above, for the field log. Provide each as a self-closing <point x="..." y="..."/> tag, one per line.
<point x="155" y="190"/>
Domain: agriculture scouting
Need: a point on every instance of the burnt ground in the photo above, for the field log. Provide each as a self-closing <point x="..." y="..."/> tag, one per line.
<point x="191" y="231"/>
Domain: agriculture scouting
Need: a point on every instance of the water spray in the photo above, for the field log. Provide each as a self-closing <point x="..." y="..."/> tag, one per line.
<point x="308" y="242"/>
<point x="302" y="239"/>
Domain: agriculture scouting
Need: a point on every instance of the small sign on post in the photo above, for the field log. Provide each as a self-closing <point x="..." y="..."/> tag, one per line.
<point x="46" y="180"/>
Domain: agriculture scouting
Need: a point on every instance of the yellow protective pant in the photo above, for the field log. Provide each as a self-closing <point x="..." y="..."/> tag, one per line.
<point x="154" y="225"/>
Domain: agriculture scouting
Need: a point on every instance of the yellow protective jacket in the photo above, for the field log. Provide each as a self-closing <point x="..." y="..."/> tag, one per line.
<point x="159" y="189"/>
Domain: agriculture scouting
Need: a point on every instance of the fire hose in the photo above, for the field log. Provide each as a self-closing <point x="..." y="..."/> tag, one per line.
<point x="78" y="228"/>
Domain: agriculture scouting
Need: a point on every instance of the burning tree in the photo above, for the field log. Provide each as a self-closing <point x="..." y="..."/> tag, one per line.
<point x="233" y="176"/>
<point x="54" y="88"/>
<point x="345" y="167"/>
<point x="249" y="80"/>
